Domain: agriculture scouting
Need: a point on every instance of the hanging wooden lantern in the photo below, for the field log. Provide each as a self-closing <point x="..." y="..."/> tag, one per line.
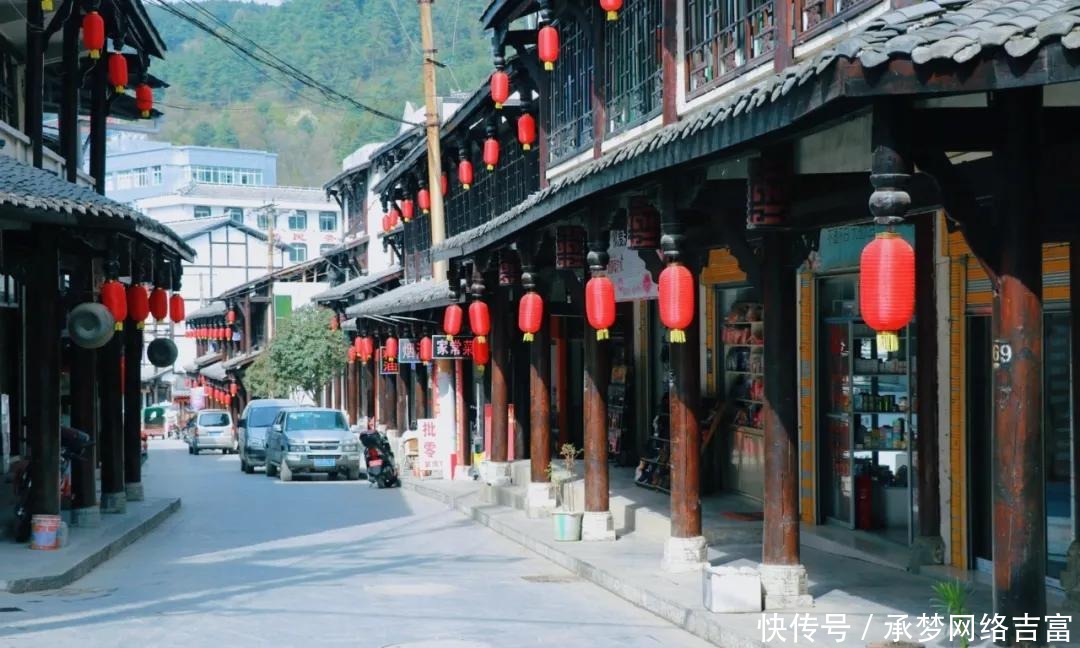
<point x="547" y="46"/>
<point x="465" y="174"/>
<point x="569" y="247"/>
<point x="480" y="319"/>
<point x="677" y="300"/>
<point x="408" y="210"/>
<point x="481" y="353"/>
<point x="600" y="305"/>
<point x="526" y="129"/>
<point x="500" y="88"/>
<point x="530" y="315"/>
<point x="93" y="33"/>
<point x="138" y="304"/>
<point x="491" y="153"/>
<point x="426" y="349"/>
<point x="452" y="318"/>
<point x="444" y="183"/>
<point x="118" y="72"/>
<point x="887" y="287"/>
<point x="390" y="347"/>
<point x="114" y="297"/>
<point x="423" y="199"/>
<point x="366" y="349"/>
<point x="159" y="304"/>
<point x="234" y="388"/>
<point x="144" y="100"/>
<point x="230" y="316"/>
<point x="612" y="8"/>
<point x="643" y="226"/>
<point x="176" y="308"/>
<point x="352" y="354"/>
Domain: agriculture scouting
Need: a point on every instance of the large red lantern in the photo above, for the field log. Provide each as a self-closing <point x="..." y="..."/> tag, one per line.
<point x="491" y="153"/>
<point x="426" y="351"/>
<point x="176" y="308"/>
<point x="118" y="72"/>
<point x="390" y="347"/>
<point x="530" y="315"/>
<point x="408" y="210"/>
<point x="500" y="88"/>
<point x="366" y="348"/>
<point x="887" y="287"/>
<point x="526" y="128"/>
<point x="451" y="322"/>
<point x="423" y="199"/>
<point x="234" y="389"/>
<point x="600" y="305"/>
<point x="677" y="300"/>
<point x="138" y="304"/>
<point x="481" y="353"/>
<point x="144" y="100"/>
<point x="612" y="8"/>
<point x="547" y="46"/>
<point x="230" y="317"/>
<point x="159" y="304"/>
<point x="114" y="297"/>
<point x="465" y="174"/>
<point x="93" y="33"/>
<point x="480" y="320"/>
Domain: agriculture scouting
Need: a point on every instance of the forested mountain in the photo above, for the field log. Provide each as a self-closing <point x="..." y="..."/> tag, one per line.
<point x="366" y="49"/>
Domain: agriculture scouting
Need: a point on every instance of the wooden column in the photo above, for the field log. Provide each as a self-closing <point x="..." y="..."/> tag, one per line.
<point x="84" y="414"/>
<point x="367" y="388"/>
<point x="562" y="360"/>
<point x="500" y="370"/>
<point x="401" y="401"/>
<point x="99" y="114"/>
<point x="1074" y="352"/>
<point x="111" y="433"/>
<point x="390" y="402"/>
<point x="335" y="390"/>
<point x="133" y="349"/>
<point x="461" y="412"/>
<point x="597" y="524"/>
<point x="69" y="105"/>
<point x="539" y="383"/>
<point x="246" y="309"/>
<point x="43" y="317"/>
<point x="596" y="89"/>
<point x="929" y="547"/>
<point x="669" y="10"/>
<point x="1019" y="550"/>
<point x="34" y="78"/>
<point x="420" y="391"/>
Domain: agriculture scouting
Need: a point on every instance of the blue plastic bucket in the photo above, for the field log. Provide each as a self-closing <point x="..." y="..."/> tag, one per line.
<point x="45" y="532"/>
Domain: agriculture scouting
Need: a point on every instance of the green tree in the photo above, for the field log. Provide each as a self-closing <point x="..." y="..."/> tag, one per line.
<point x="305" y="353"/>
<point x="225" y="134"/>
<point x="262" y="381"/>
<point x="203" y="135"/>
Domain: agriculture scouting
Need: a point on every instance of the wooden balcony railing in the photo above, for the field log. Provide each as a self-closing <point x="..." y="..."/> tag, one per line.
<point x="725" y="36"/>
<point x="570" y="114"/>
<point x="633" y="51"/>
<point x="813" y="17"/>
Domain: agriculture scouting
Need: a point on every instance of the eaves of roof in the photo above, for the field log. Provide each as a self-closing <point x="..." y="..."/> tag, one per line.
<point x="403" y="299"/>
<point x="358" y="284"/>
<point x="211" y="310"/>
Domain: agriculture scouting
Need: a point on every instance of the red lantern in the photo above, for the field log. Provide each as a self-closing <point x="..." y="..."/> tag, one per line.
<point x="390" y="348"/>
<point x="444" y="183"/>
<point x="366" y="348"/>
<point x="426" y="351"/>
<point x="114" y="297"/>
<point x="230" y="317"/>
<point x="677" y="300"/>
<point x="352" y="354"/>
<point x="144" y="100"/>
<point x="887" y="287"/>
<point x="600" y="305"/>
<point x="491" y="153"/>
<point x="138" y="304"/>
<point x="234" y="389"/>
<point x="480" y="320"/>
<point x="526" y="128"/>
<point x="159" y="304"/>
<point x="465" y="174"/>
<point x="547" y="46"/>
<point x="176" y="308"/>
<point x="93" y="33"/>
<point x="530" y="315"/>
<point x="481" y="353"/>
<point x="423" y="198"/>
<point x="500" y="88"/>
<point x="118" y="72"/>
<point x="395" y="217"/>
<point x="451" y="322"/>
<point x="408" y="209"/>
<point x="226" y="398"/>
<point x="386" y="223"/>
<point x="612" y="8"/>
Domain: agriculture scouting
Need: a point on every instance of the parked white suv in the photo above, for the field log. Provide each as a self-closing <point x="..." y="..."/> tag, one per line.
<point x="213" y="430"/>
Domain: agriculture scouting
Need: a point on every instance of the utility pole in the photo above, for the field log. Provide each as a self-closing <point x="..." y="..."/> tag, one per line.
<point x="438" y="218"/>
<point x="271" y="221"/>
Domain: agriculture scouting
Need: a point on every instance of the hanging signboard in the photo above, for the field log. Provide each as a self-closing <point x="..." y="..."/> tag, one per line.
<point x="839" y="248"/>
<point x="458" y="348"/>
<point x="388" y="366"/>
<point x="628" y="271"/>
<point x="569" y="247"/>
<point x="198" y="398"/>
<point x="435" y="450"/>
<point x="408" y="351"/>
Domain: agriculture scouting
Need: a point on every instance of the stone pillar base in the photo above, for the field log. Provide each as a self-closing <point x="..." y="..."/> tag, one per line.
<point x="113" y="503"/>
<point x="785" y="587"/>
<point x="597" y="526"/>
<point x="926" y="550"/>
<point x="134" y="492"/>
<point x="539" y="500"/>
<point x="684" y="554"/>
<point x="495" y="473"/>
<point x="88" y="517"/>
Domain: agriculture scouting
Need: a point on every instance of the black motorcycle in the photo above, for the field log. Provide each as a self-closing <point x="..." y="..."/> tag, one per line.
<point x="72" y="444"/>
<point x="379" y="459"/>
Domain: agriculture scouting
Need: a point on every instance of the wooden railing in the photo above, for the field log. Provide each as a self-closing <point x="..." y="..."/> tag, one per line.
<point x="813" y="17"/>
<point x="725" y="36"/>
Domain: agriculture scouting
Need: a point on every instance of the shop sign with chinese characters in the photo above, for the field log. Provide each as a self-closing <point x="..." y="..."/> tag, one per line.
<point x="408" y="351"/>
<point x="447" y="348"/>
<point x="435" y="450"/>
<point x="388" y="366"/>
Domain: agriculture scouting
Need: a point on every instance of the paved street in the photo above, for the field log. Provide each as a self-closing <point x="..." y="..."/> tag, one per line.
<point x="250" y="561"/>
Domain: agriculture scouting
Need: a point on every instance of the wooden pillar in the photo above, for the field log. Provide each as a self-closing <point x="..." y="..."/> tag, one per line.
<point x="929" y="547"/>
<point x="34" y="77"/>
<point x="84" y="416"/>
<point x="390" y="400"/>
<point x="1019" y="550"/>
<point x="562" y="359"/>
<point x="597" y="523"/>
<point x="246" y="309"/>
<point x="461" y="412"/>
<point x="69" y="105"/>
<point x="335" y="390"/>
<point x="111" y="433"/>
<point x="401" y="401"/>
<point x="133" y="349"/>
<point x="500" y="370"/>
<point x="367" y="389"/>
<point x="99" y="114"/>
<point x="539" y="383"/>
<point x="1074" y="351"/>
<point x="43" y="317"/>
<point x="669" y="10"/>
<point x="420" y="391"/>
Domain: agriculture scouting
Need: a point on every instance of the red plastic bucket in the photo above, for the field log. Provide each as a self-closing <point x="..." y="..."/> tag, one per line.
<point x="45" y="532"/>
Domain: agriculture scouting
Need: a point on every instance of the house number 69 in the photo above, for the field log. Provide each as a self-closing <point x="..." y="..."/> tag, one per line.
<point x="1001" y="353"/>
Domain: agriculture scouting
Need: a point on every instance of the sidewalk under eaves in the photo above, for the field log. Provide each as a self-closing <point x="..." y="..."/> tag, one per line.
<point x="843" y="583"/>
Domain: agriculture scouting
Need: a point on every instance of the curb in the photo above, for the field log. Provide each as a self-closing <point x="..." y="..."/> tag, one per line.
<point x="87" y="564"/>
<point x="699" y="623"/>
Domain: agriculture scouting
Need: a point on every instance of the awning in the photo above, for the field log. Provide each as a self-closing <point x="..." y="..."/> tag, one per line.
<point x="213" y="309"/>
<point x="202" y="361"/>
<point x="242" y="360"/>
<point x="150" y="373"/>
<point x="403" y="299"/>
<point x="352" y="286"/>
<point x="215" y="371"/>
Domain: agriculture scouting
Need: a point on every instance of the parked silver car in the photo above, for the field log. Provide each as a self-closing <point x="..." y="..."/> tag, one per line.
<point x="212" y="430"/>
<point x="305" y="440"/>
<point x="253" y="430"/>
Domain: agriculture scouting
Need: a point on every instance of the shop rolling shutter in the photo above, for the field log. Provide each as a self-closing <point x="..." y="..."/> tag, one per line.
<point x="978" y="288"/>
<point x="957" y="416"/>
<point x="807" y="492"/>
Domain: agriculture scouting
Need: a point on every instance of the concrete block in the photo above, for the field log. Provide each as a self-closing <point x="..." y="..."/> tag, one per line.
<point x="539" y="500"/>
<point x="113" y="503"/>
<point x="495" y="473"/>
<point x="133" y="491"/>
<point x="597" y="526"/>
<point x="785" y="587"/>
<point x="521" y="472"/>
<point x="684" y="554"/>
<point x="731" y="589"/>
<point x="88" y="517"/>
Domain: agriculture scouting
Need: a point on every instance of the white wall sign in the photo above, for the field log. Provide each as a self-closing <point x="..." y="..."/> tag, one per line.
<point x="435" y="449"/>
<point x="628" y="271"/>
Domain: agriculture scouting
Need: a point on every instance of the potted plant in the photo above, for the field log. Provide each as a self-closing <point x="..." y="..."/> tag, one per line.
<point x="566" y="521"/>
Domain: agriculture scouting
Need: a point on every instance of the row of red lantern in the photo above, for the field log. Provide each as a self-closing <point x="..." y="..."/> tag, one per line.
<point x="363" y="348"/>
<point x="135" y="303"/>
<point x="209" y="333"/>
<point x="220" y="395"/>
<point x="93" y="35"/>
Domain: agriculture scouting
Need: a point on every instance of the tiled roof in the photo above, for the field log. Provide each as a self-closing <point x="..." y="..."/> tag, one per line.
<point x="242" y="360"/>
<point x="213" y="309"/>
<point x="202" y="361"/>
<point x="215" y="371"/>
<point x="410" y="297"/>
<point x="47" y="198"/>
<point x="273" y="193"/>
<point x="189" y="229"/>
<point x="950" y="31"/>
<point x="362" y="282"/>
